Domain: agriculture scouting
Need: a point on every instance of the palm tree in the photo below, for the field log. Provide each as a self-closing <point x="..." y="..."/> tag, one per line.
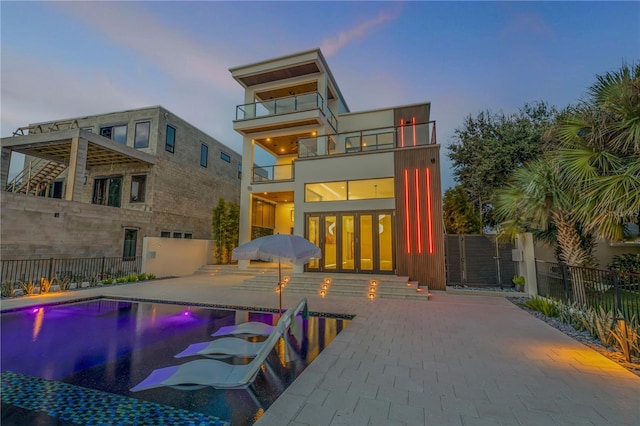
<point x="535" y="198"/>
<point x="598" y="152"/>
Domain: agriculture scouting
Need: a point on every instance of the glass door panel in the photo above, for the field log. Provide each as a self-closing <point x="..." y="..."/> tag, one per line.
<point x="366" y="242"/>
<point x="348" y="243"/>
<point x="313" y="235"/>
<point x="385" y="241"/>
<point x="330" y="241"/>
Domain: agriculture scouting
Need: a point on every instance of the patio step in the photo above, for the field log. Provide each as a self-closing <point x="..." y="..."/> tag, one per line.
<point x="357" y="285"/>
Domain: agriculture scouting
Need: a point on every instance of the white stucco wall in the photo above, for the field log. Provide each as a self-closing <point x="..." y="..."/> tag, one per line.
<point x="174" y="257"/>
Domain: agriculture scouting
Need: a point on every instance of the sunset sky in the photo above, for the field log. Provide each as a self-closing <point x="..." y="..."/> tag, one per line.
<point x="70" y="59"/>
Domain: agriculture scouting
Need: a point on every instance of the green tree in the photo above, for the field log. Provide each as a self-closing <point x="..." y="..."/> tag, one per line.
<point x="489" y="147"/>
<point x="535" y="199"/>
<point x="599" y="152"/>
<point x="460" y="214"/>
<point x="225" y="225"/>
<point x="588" y="185"/>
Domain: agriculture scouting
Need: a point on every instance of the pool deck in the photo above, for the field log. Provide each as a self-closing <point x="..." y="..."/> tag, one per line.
<point x="451" y="360"/>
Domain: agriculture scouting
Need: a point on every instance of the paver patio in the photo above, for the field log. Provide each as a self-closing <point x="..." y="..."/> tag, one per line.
<point x="452" y="360"/>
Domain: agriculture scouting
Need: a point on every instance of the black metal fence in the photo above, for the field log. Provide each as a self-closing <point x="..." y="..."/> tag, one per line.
<point x="24" y="270"/>
<point x="613" y="290"/>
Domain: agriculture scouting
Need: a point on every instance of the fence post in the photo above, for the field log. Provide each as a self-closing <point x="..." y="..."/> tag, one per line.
<point x="565" y="281"/>
<point x="102" y="269"/>
<point x="616" y="290"/>
<point x="49" y="277"/>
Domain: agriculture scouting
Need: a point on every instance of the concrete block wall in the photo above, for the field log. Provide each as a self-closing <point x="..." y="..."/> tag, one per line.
<point x="37" y="227"/>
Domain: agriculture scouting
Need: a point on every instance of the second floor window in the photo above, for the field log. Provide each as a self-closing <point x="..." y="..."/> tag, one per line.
<point x="225" y="157"/>
<point x="204" y="155"/>
<point x="142" y="135"/>
<point x="117" y="133"/>
<point x="170" y="141"/>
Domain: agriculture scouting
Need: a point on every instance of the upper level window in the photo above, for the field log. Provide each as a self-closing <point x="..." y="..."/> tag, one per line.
<point x="88" y="129"/>
<point x="117" y="133"/>
<point x="365" y="189"/>
<point x="239" y="171"/>
<point x="142" y="134"/>
<point x="188" y="235"/>
<point x="170" y="141"/>
<point x="204" y="155"/>
<point x="138" y="186"/>
<point x="165" y="234"/>
<point x="225" y="157"/>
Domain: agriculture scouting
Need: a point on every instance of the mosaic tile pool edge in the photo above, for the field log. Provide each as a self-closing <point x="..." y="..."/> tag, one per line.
<point x="88" y="406"/>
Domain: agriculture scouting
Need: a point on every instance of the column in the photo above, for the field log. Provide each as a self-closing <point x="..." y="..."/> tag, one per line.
<point x="77" y="168"/>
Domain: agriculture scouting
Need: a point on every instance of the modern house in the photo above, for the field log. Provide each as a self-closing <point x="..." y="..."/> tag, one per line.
<point x="363" y="186"/>
<point x="97" y="185"/>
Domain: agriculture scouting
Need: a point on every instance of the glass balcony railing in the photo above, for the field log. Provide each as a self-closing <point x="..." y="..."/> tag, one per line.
<point x="272" y="173"/>
<point x="303" y="102"/>
<point x="410" y="135"/>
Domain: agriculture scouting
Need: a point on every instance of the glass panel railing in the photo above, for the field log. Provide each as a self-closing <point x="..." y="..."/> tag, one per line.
<point x="331" y="118"/>
<point x="369" y="140"/>
<point x="303" y="102"/>
<point x="318" y="146"/>
<point x="272" y="173"/>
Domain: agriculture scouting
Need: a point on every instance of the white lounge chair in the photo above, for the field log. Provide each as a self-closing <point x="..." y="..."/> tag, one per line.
<point x="254" y="328"/>
<point x="223" y="348"/>
<point x="201" y="373"/>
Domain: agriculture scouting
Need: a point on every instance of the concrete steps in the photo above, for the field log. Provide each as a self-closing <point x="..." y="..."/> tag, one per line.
<point x="264" y="278"/>
<point x="355" y="285"/>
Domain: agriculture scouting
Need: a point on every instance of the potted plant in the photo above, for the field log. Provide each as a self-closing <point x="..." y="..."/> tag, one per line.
<point x="518" y="280"/>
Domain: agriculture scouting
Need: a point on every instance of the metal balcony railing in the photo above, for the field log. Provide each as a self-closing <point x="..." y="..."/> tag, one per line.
<point x="280" y="172"/>
<point x="405" y="136"/>
<point x="289" y="104"/>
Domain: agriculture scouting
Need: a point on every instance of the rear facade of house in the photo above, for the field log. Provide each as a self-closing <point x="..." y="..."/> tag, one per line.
<point x="363" y="186"/>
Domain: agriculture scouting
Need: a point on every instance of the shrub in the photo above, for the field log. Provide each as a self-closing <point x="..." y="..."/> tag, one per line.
<point x="64" y="283"/>
<point x="628" y="262"/>
<point x="546" y="306"/>
<point x="93" y="280"/>
<point x="28" y="288"/>
<point x="45" y="285"/>
<point x="8" y="289"/>
<point x="107" y="281"/>
<point x="142" y="277"/>
<point x="627" y="336"/>
<point x="121" y="280"/>
<point x="131" y="278"/>
<point x="151" y="277"/>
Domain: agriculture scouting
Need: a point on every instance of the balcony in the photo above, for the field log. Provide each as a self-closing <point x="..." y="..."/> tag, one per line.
<point x="406" y="136"/>
<point x="286" y="105"/>
<point x="307" y="109"/>
<point x="277" y="173"/>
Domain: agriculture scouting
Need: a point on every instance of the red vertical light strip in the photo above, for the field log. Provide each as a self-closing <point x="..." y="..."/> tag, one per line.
<point x="418" y="216"/>
<point x="413" y="125"/>
<point x="406" y="209"/>
<point x="401" y="133"/>
<point x="429" y="213"/>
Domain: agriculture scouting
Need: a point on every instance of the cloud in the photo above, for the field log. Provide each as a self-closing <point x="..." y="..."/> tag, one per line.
<point x="57" y="92"/>
<point x="133" y="27"/>
<point x="528" y="23"/>
<point x="331" y="45"/>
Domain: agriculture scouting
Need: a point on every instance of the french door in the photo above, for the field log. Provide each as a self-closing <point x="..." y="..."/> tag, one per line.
<point x="352" y="241"/>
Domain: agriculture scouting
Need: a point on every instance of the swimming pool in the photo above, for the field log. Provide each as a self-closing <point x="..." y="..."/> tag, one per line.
<point x="76" y="362"/>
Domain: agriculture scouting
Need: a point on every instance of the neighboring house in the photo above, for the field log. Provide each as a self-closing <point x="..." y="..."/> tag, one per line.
<point x="97" y="185"/>
<point x="363" y="186"/>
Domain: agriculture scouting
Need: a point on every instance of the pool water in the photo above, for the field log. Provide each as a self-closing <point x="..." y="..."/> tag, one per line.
<point x="65" y="360"/>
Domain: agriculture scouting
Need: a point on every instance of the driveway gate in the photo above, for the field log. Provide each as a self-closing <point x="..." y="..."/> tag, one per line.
<point x="479" y="260"/>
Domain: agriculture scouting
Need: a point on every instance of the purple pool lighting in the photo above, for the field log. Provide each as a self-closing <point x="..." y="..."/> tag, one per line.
<point x="112" y="345"/>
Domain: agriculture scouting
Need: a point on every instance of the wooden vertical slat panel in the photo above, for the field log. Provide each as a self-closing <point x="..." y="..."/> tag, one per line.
<point x="426" y="268"/>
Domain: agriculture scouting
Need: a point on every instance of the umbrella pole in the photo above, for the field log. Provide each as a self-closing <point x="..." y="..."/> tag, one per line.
<point x="280" y="284"/>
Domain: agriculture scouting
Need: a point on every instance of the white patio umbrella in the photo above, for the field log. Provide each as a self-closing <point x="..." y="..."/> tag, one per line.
<point x="281" y="247"/>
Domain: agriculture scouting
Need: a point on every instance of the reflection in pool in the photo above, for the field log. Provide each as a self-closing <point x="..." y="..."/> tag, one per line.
<point x="111" y="345"/>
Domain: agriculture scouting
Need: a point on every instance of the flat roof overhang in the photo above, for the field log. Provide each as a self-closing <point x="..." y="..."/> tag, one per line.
<point x="56" y="146"/>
